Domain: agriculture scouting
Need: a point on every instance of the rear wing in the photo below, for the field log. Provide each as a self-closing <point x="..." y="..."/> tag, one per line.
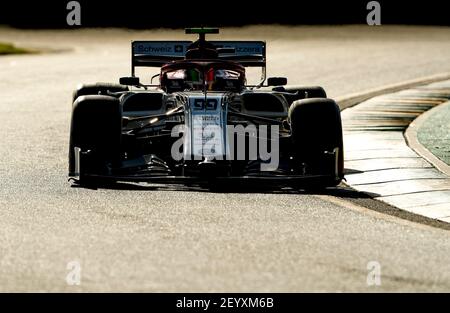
<point x="247" y="53"/>
<point x="158" y="53"/>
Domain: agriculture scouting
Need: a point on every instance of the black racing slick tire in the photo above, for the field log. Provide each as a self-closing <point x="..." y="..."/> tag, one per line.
<point x="96" y="126"/>
<point x="97" y="89"/>
<point x="292" y="93"/>
<point x="316" y="131"/>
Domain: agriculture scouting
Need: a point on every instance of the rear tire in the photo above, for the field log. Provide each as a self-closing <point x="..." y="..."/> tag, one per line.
<point x="315" y="128"/>
<point x="301" y="92"/>
<point x="96" y="125"/>
<point x="97" y="89"/>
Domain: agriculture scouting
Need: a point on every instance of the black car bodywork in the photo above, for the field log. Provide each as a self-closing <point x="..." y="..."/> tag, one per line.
<point x="128" y="131"/>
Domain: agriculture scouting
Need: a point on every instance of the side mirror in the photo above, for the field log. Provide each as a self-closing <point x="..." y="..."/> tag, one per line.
<point x="129" y="81"/>
<point x="276" y="81"/>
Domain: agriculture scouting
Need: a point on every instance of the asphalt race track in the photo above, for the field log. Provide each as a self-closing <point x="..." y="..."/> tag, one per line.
<point x="169" y="238"/>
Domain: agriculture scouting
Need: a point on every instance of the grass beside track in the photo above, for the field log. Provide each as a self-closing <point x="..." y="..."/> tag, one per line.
<point x="7" y="48"/>
<point x="434" y="133"/>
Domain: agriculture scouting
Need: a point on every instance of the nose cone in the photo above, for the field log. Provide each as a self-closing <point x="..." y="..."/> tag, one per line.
<point x="206" y="127"/>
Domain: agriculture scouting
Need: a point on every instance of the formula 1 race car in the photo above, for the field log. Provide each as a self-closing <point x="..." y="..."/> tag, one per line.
<point x="203" y="123"/>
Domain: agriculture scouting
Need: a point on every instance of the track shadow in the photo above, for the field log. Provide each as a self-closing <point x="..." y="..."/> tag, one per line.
<point x="341" y="191"/>
<point x="351" y="171"/>
<point x="115" y="186"/>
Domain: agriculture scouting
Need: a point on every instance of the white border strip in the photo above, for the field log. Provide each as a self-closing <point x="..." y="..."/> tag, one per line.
<point x="350" y="100"/>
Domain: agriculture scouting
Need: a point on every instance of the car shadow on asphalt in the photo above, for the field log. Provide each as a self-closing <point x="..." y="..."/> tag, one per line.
<point x="341" y="191"/>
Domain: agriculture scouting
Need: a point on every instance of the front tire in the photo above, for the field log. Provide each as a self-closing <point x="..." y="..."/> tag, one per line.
<point x="96" y="126"/>
<point x="316" y="134"/>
